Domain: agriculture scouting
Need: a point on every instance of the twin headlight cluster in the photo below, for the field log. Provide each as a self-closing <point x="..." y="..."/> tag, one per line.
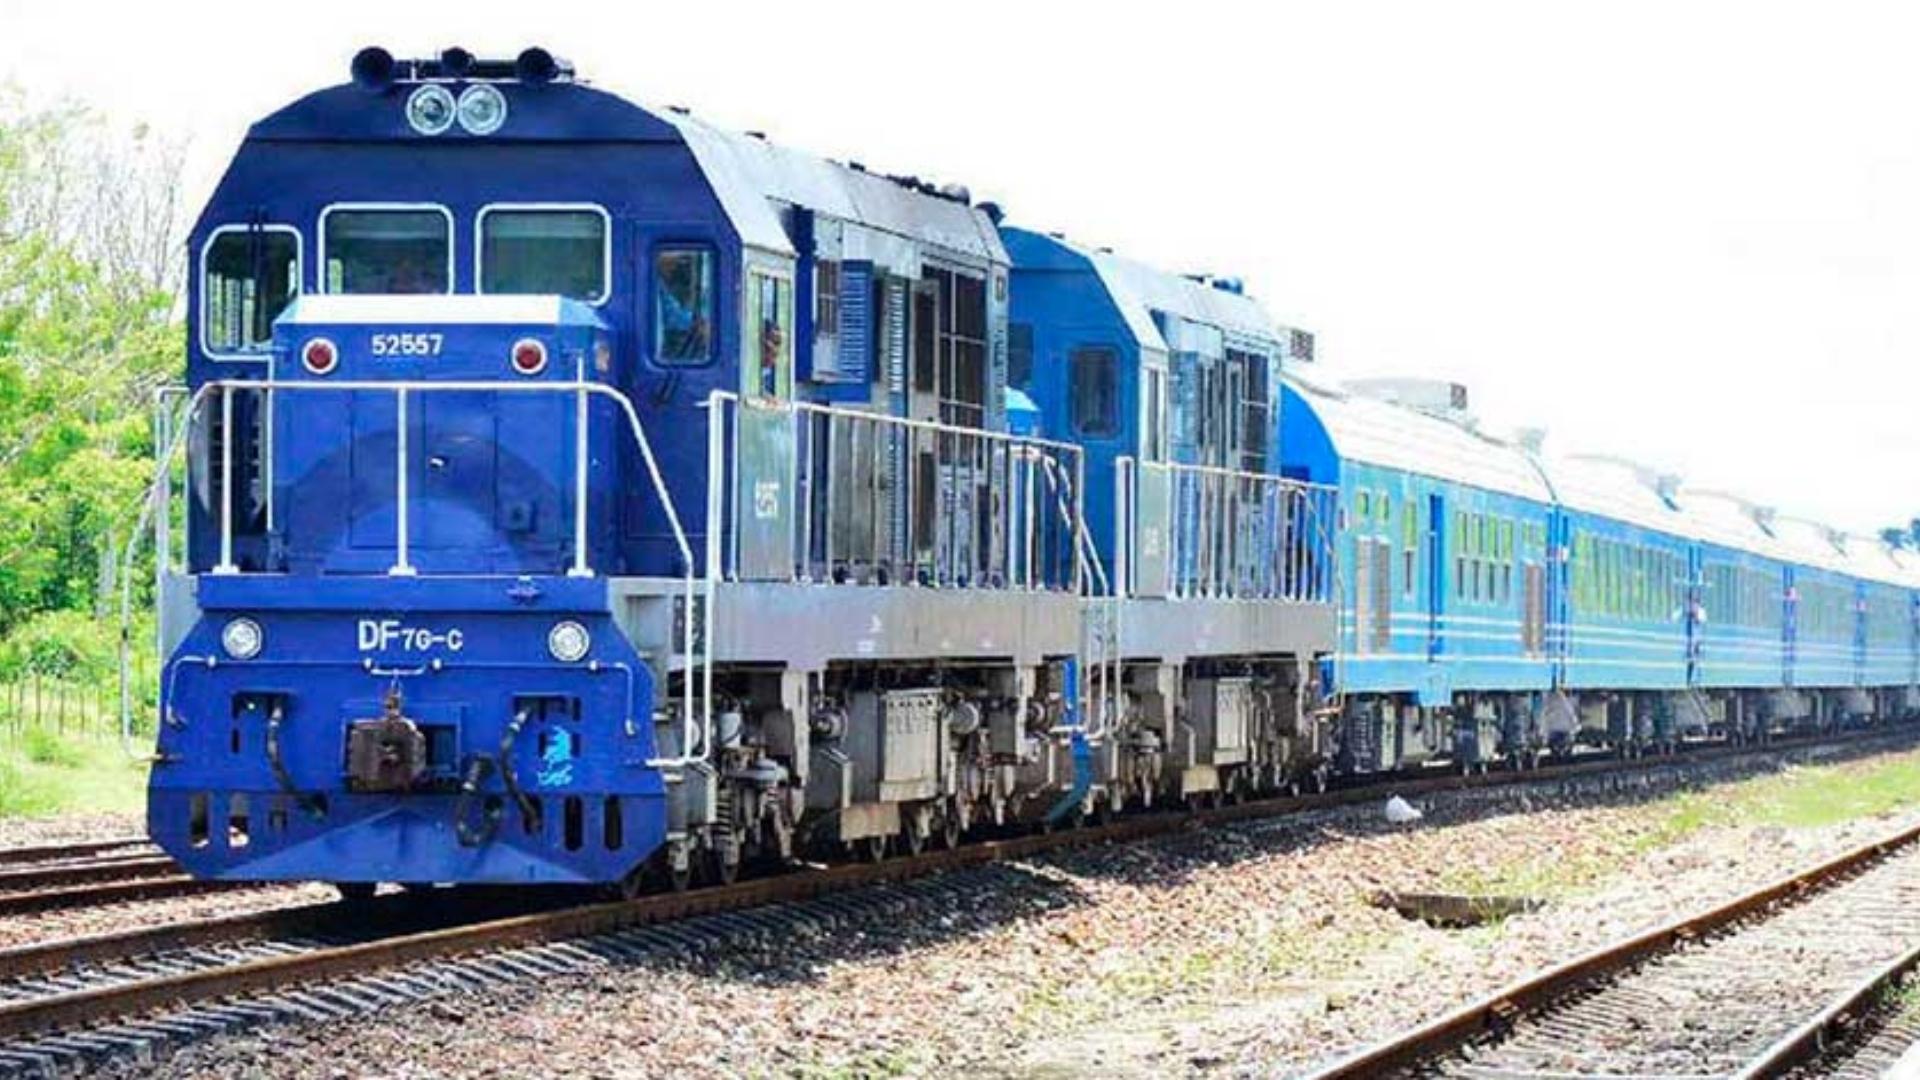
<point x="568" y="641"/>
<point x="480" y="109"/>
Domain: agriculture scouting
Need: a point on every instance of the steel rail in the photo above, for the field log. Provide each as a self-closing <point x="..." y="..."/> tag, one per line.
<point x="98" y="893"/>
<point x="1822" y="1030"/>
<point x="79" y="1008"/>
<point x="85" y="871"/>
<point x="67" y="852"/>
<point x="1454" y="1030"/>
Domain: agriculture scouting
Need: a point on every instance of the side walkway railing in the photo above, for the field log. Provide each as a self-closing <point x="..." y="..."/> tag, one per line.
<point x="1197" y="531"/>
<point x="804" y="492"/>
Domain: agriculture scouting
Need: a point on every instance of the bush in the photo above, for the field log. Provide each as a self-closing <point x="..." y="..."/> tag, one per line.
<point x="44" y="747"/>
<point x="61" y="644"/>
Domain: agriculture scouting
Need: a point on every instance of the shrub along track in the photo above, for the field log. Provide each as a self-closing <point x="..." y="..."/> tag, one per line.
<point x="67" y="1003"/>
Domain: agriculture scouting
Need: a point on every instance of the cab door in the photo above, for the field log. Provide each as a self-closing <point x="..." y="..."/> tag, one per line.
<point x="766" y="433"/>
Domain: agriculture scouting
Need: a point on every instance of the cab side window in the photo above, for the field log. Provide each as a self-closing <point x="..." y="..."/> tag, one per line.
<point x="770" y="371"/>
<point x="1094" y="375"/>
<point x="683" y="306"/>
<point x="248" y="277"/>
<point x="380" y="250"/>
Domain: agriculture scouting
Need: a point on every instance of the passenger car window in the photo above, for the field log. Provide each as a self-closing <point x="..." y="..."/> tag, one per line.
<point x="544" y="251"/>
<point x="683" y="306"/>
<point x="1095" y="391"/>
<point x="248" y="277"/>
<point x="387" y="251"/>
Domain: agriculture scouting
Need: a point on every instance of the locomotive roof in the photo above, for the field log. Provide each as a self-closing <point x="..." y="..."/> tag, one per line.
<point x="752" y="178"/>
<point x="1382" y="433"/>
<point x="1139" y="290"/>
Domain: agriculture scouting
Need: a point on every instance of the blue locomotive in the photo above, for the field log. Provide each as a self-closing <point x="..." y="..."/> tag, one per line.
<point x="576" y="493"/>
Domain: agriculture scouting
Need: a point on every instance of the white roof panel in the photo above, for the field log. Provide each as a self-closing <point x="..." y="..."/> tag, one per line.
<point x="1140" y="290"/>
<point x="1381" y="433"/>
<point x="1729" y="521"/>
<point x="1618" y="489"/>
<point x="752" y="177"/>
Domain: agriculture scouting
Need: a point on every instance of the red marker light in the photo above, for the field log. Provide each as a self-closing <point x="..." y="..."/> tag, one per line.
<point x="320" y="357"/>
<point x="529" y="356"/>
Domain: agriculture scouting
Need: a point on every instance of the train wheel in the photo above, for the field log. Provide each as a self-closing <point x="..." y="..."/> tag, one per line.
<point x="913" y="836"/>
<point x="634" y="885"/>
<point x="676" y="866"/>
<point x="951" y="828"/>
<point x="872" y="849"/>
<point x="723" y="865"/>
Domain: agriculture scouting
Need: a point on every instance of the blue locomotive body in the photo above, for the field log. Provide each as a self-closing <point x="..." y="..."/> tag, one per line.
<point x="575" y="492"/>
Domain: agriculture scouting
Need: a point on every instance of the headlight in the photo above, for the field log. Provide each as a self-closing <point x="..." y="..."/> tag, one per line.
<point x="569" y="641"/>
<point x="242" y="638"/>
<point x="430" y="109"/>
<point x="482" y="109"/>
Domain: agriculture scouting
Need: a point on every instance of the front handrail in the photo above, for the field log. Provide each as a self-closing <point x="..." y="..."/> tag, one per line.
<point x="160" y="496"/>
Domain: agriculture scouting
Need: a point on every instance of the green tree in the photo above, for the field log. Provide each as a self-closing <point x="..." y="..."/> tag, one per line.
<point x="87" y="334"/>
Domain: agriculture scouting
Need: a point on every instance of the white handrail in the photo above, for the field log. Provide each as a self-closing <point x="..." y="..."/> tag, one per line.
<point x="161" y="490"/>
<point x="1217" y="564"/>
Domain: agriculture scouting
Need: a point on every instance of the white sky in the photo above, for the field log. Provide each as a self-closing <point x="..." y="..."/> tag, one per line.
<point x="1689" y="233"/>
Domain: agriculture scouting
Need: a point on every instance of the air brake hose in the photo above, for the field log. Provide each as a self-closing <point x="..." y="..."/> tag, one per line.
<point x="477" y="769"/>
<point x="507" y="774"/>
<point x="307" y="803"/>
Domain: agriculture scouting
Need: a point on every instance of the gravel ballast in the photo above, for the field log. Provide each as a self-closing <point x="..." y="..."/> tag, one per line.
<point x="1248" y="950"/>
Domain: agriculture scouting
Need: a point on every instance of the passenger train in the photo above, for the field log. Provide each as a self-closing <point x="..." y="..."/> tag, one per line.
<point x="566" y="491"/>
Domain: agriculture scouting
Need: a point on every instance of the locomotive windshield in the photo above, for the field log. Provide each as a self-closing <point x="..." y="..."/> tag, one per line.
<point x="251" y="276"/>
<point x="388" y="251"/>
<point x="544" y="251"/>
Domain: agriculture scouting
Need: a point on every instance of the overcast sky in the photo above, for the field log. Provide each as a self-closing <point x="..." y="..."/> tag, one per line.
<point x="1688" y="233"/>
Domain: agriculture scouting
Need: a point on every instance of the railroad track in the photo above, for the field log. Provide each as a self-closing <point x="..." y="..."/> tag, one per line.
<point x="1868" y="1039"/>
<point x="87" y="874"/>
<point x="1755" y="987"/>
<point x="66" y="1004"/>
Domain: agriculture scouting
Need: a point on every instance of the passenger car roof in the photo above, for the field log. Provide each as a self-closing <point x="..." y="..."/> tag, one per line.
<point x="1379" y="432"/>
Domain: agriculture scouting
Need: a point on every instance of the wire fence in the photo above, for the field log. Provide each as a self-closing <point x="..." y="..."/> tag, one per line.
<point x="67" y="706"/>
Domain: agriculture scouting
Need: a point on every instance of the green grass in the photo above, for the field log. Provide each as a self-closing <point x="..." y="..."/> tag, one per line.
<point x="42" y="774"/>
<point x="1802" y="798"/>
<point x="1806" y="797"/>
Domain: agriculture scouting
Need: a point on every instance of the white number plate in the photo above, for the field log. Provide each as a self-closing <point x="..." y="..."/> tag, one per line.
<point x="405" y="344"/>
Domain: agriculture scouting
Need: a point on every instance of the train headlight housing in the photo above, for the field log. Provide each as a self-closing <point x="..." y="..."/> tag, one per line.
<point x="320" y="356"/>
<point x="528" y="356"/>
<point x="430" y="109"/>
<point x="242" y="638"/>
<point x="482" y="109"/>
<point x="568" y="641"/>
